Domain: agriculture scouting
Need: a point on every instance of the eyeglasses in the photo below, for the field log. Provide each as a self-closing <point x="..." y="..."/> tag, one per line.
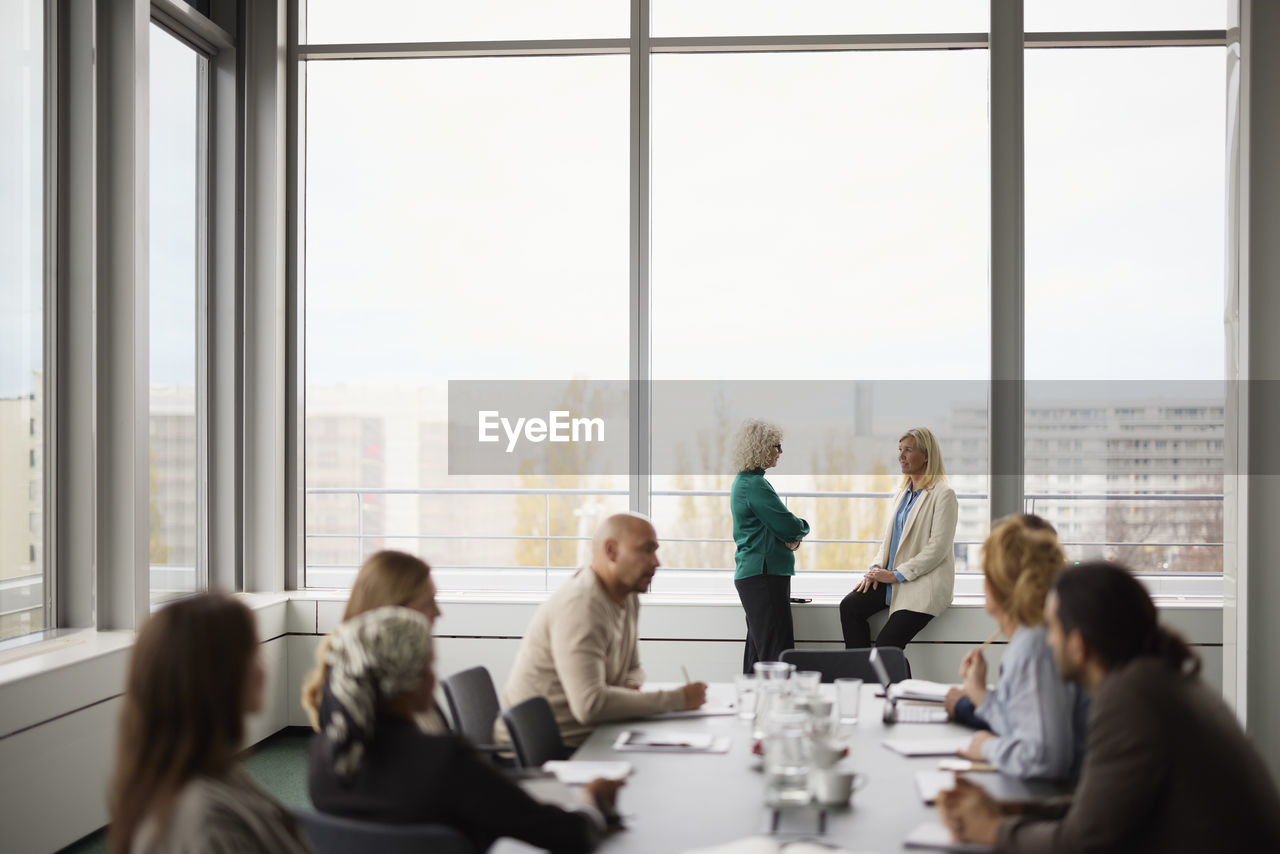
<point x="778" y="448"/>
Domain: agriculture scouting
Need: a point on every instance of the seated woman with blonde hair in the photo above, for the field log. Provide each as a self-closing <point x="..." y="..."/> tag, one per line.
<point x="386" y="578"/>
<point x="1033" y="722"/>
<point x="194" y="674"/>
<point x="370" y="761"/>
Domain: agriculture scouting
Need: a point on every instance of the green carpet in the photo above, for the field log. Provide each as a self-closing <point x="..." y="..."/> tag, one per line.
<point x="279" y="764"/>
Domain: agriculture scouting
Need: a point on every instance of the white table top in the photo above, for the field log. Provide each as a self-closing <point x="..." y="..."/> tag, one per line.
<point x="674" y="802"/>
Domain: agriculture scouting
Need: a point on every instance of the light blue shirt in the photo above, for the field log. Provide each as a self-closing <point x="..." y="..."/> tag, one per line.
<point x="1038" y="719"/>
<point x="899" y="522"/>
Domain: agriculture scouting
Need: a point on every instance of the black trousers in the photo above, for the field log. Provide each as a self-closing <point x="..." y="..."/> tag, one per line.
<point x="858" y="607"/>
<point x="767" y="601"/>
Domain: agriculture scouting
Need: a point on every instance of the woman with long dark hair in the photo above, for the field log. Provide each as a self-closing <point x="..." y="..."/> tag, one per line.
<point x="194" y="674"/>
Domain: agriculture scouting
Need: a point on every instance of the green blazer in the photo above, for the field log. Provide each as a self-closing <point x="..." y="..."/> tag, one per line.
<point x="762" y="524"/>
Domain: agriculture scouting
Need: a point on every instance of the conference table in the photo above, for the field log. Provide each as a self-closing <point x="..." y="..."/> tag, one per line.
<point x="673" y="802"/>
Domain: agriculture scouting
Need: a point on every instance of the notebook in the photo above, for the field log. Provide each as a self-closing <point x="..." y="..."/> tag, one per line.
<point x="671" y="742"/>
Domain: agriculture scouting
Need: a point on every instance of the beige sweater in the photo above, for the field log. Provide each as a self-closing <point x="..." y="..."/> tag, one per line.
<point x="582" y="653"/>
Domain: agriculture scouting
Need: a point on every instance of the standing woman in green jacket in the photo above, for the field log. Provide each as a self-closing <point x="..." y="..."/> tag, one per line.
<point x="766" y="534"/>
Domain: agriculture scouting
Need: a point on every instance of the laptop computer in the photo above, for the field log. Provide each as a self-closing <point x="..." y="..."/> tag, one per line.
<point x="906" y="713"/>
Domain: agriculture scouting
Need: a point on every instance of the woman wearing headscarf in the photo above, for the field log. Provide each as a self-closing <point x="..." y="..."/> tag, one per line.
<point x="370" y="761"/>
<point x="386" y="577"/>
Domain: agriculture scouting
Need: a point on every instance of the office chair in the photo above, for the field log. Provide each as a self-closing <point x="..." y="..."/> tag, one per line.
<point x="473" y="706"/>
<point x="534" y="733"/>
<point x="331" y="834"/>
<point x="836" y="664"/>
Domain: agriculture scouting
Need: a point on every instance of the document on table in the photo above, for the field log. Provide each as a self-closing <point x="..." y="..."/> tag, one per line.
<point x="707" y="711"/>
<point x="920" y="689"/>
<point x="927" y="746"/>
<point x="935" y="837"/>
<point x="671" y="742"/>
<point x="583" y="771"/>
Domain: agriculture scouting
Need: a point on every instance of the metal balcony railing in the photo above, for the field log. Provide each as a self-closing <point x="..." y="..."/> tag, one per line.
<point x="361" y="536"/>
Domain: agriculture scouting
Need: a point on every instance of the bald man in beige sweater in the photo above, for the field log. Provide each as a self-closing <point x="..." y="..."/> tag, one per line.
<point x="582" y="649"/>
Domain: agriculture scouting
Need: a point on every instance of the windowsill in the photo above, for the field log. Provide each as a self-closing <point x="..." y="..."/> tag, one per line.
<point x="35" y="684"/>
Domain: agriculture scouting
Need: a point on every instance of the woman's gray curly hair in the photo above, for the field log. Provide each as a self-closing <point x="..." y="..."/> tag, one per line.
<point x="754" y="446"/>
<point x="374" y="658"/>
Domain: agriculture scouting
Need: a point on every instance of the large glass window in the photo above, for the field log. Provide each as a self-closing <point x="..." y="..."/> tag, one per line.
<point x="179" y="180"/>
<point x="22" y="381"/>
<point x="465" y="220"/>
<point x="813" y="245"/>
<point x="820" y="237"/>
<point x="1125" y="271"/>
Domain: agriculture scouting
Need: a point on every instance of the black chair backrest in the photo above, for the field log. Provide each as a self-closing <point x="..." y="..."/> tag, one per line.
<point x="534" y="732"/>
<point x="331" y="834"/>
<point x="473" y="704"/>
<point x="836" y="664"/>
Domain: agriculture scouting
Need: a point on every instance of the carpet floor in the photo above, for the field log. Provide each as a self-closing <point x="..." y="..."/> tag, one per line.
<point x="279" y="764"/>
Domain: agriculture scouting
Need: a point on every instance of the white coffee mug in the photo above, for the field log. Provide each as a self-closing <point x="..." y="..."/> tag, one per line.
<point x="833" y="787"/>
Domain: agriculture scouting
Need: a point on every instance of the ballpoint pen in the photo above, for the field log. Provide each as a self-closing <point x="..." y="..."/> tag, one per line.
<point x="685" y="671"/>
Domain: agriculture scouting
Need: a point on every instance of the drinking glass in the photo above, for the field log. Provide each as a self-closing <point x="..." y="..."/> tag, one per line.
<point x="805" y="683"/>
<point x="848" y="699"/>
<point x="786" y="759"/>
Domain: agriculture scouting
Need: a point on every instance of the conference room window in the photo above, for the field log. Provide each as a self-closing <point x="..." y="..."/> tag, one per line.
<point x="178" y="177"/>
<point x="811" y="230"/>
<point x="820" y="233"/>
<point x="465" y="219"/>
<point x="23" y="385"/>
<point x="1125" y="289"/>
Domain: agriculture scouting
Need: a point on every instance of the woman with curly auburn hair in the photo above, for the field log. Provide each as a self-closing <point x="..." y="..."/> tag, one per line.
<point x="766" y="533"/>
<point x="194" y="674"/>
<point x="1033" y="723"/>
<point x="915" y="562"/>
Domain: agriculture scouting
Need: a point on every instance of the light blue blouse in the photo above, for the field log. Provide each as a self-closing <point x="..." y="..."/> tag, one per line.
<point x="899" y="522"/>
<point x="1038" y="719"/>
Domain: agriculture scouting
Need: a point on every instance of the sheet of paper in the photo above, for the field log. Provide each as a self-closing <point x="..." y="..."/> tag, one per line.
<point x="707" y="711"/>
<point x="583" y="771"/>
<point x="935" y="837"/>
<point x="929" y="783"/>
<point x="920" y="689"/>
<point x="927" y="746"/>
<point x="671" y="742"/>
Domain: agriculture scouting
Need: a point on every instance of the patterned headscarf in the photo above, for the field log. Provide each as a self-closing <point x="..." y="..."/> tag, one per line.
<point x="373" y="658"/>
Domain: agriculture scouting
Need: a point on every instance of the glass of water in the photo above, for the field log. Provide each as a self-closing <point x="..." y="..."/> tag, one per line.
<point x="786" y="759"/>
<point x="848" y="699"/>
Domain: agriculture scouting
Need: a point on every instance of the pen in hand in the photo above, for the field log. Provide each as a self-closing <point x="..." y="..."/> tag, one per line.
<point x="685" y="671"/>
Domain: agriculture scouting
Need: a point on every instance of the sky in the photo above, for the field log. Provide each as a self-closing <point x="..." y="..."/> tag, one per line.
<point x="814" y="216"/>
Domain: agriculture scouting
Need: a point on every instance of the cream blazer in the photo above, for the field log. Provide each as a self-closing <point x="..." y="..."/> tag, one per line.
<point x="925" y="553"/>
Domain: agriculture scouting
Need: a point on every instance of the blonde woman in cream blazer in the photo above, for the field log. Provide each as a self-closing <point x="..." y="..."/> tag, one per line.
<point x="914" y="571"/>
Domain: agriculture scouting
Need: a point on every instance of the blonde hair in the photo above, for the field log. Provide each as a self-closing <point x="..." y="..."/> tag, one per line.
<point x="754" y="444"/>
<point x="1020" y="559"/>
<point x="385" y="578"/>
<point x="934" y="469"/>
